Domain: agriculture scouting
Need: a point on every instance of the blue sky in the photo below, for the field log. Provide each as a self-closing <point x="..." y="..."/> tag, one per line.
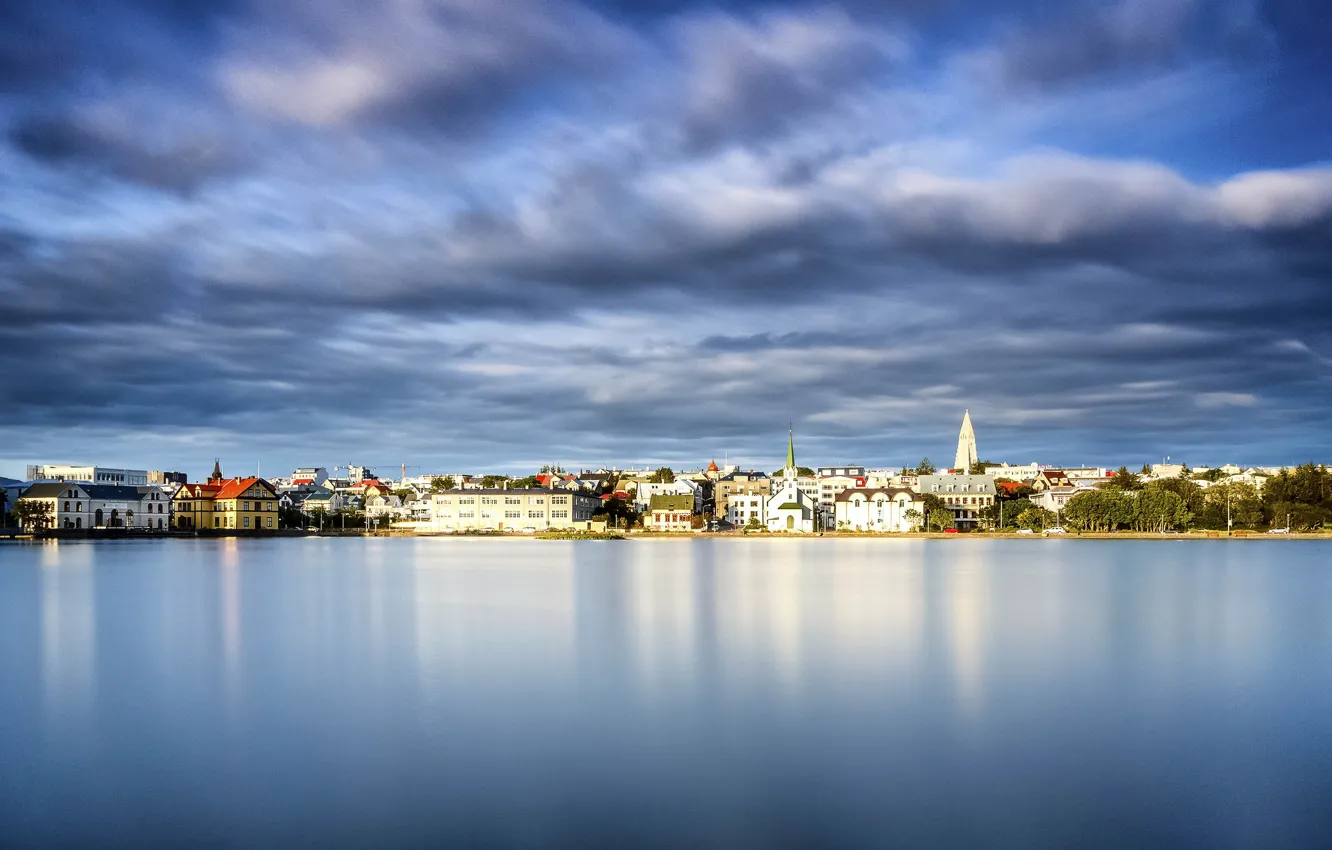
<point x="474" y="235"/>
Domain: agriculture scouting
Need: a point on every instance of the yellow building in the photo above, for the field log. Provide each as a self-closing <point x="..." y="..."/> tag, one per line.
<point x="227" y="503"/>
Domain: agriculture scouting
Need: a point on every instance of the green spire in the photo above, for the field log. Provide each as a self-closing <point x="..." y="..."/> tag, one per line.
<point x="790" y="449"/>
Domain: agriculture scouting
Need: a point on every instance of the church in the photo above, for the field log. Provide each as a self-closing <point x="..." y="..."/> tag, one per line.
<point x="789" y="508"/>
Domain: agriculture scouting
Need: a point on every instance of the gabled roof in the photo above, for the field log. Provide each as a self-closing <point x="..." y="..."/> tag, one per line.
<point x="197" y="491"/>
<point x="50" y="490"/>
<point x="236" y="486"/>
<point x="671" y="503"/>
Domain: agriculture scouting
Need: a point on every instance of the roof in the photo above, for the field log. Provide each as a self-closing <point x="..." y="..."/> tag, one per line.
<point x="712" y="466"/>
<point x="195" y="491"/>
<point x="53" y="490"/>
<point x="516" y="491"/>
<point x="236" y="486"/>
<point x="869" y="492"/>
<point x="671" y="503"/>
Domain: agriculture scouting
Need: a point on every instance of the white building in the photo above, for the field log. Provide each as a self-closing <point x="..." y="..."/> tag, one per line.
<point x="743" y="508"/>
<point x="965" y="495"/>
<point x="88" y="474"/>
<point x="831" y="486"/>
<point x="309" y="476"/>
<point x="966" y="445"/>
<point x="1025" y="472"/>
<point x="103" y="505"/>
<point x="791" y="507"/>
<point x="509" y="510"/>
<point x="877" y="509"/>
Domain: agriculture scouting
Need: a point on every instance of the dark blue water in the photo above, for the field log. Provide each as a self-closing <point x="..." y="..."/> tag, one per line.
<point x="646" y="693"/>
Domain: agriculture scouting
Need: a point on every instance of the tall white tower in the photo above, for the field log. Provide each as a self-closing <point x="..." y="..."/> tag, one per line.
<point x="966" y="445"/>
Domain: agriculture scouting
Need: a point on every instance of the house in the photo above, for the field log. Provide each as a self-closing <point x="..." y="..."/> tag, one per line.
<point x="325" y="501"/>
<point x="965" y="495"/>
<point x="745" y="509"/>
<point x="308" y="476"/>
<point x="830" y="486"/>
<point x="227" y="503"/>
<point x="670" y="512"/>
<point x="879" y="509"/>
<point x="537" y="509"/>
<point x="739" y="484"/>
<point x="791" y="507"/>
<point x="383" y="505"/>
<point x="679" y="487"/>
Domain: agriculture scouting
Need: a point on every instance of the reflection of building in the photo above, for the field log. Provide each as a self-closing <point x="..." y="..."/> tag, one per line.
<point x="877" y="509"/>
<point x="790" y="507"/>
<point x="509" y="510"/>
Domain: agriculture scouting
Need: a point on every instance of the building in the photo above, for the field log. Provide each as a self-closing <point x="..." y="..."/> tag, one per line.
<point x="966" y="445"/>
<point x="965" y="495"/>
<point x="832" y="485"/>
<point x="739" y="484"/>
<point x="1024" y="472"/>
<point x="309" y="476"/>
<point x="646" y="491"/>
<point x="849" y="471"/>
<point x="670" y="512"/>
<point x="88" y="474"/>
<point x="227" y="503"/>
<point x="509" y="510"/>
<point x="791" y="507"/>
<point x="158" y="476"/>
<point x="76" y="505"/>
<point x="746" y="509"/>
<point x="878" y="509"/>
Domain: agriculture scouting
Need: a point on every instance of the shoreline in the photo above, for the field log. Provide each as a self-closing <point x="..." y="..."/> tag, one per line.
<point x="85" y="535"/>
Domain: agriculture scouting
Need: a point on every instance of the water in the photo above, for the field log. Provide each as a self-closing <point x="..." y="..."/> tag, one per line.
<point x="651" y="693"/>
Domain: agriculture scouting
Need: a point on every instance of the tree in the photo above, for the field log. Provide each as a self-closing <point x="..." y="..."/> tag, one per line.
<point x="552" y="469"/>
<point x="33" y="515"/>
<point x="1209" y="475"/>
<point x="1099" y="510"/>
<point x="979" y="467"/>
<point x="911" y="515"/>
<point x="1146" y="469"/>
<point x="1005" y="513"/>
<point x="439" y="484"/>
<point x="491" y="482"/>
<point x="290" y="518"/>
<point x="1157" y="510"/>
<point x="753" y="524"/>
<point x="406" y="494"/>
<point x="1123" y="480"/>
<point x="925" y="467"/>
<point x="1035" y="518"/>
<point x="528" y="483"/>
<point x="941" y="518"/>
<point x="801" y="471"/>
<point x="664" y="475"/>
<point x="1191" y="493"/>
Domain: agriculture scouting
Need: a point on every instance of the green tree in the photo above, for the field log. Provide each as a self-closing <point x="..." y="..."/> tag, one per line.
<point x="528" y="483"/>
<point x="940" y="519"/>
<point x="1209" y="475"/>
<point x="801" y="471"/>
<point x="664" y="475"/>
<point x="1035" y="518"/>
<point x="1005" y="513"/>
<point x="439" y="483"/>
<point x="33" y="515"/>
<point x="979" y="467"/>
<point x="753" y="524"/>
<point x="491" y="482"/>
<point x="925" y="467"/>
<point x="912" y="516"/>
<point x="1191" y="493"/>
<point x="1123" y="480"/>
<point x="1156" y="509"/>
<point x="552" y="469"/>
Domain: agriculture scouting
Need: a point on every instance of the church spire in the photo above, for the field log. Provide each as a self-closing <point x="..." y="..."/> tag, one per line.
<point x="966" y="445"/>
<point x="789" y="471"/>
<point x="217" y="470"/>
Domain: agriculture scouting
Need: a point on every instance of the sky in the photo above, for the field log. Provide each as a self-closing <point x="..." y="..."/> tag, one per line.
<point x="469" y="235"/>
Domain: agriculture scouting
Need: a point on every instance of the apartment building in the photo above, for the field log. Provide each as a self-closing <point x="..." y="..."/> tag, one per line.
<point x="965" y="495"/>
<point x="508" y="510"/>
<point x="740" y="484"/>
<point x="86" y="474"/>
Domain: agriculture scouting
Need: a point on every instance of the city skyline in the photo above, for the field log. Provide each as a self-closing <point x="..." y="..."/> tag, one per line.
<point x="495" y="235"/>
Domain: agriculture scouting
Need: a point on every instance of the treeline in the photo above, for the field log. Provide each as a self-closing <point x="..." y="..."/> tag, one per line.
<point x="1299" y="499"/>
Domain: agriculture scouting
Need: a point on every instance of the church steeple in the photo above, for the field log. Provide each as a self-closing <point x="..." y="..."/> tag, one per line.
<point x="966" y="445"/>
<point x="789" y="472"/>
<point x="217" y="470"/>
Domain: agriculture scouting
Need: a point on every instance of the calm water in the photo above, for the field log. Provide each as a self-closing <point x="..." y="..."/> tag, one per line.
<point x="648" y="693"/>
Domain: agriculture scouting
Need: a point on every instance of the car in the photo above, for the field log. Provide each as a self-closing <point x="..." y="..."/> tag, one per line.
<point x="1278" y="531"/>
<point x="950" y="531"/>
<point x="1058" y="529"/>
<point x="1025" y="531"/>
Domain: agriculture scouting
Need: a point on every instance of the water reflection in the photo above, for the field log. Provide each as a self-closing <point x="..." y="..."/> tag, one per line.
<point x="709" y="693"/>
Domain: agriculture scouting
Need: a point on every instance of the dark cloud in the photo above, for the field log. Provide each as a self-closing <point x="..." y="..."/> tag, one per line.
<point x="476" y="233"/>
<point x="180" y="165"/>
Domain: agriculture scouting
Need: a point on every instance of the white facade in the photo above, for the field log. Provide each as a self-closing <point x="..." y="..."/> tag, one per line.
<point x="509" y="510"/>
<point x="1025" y="472"/>
<point x="790" y="509"/>
<point x="103" y="506"/>
<point x="965" y="495"/>
<point x="88" y="474"/>
<point x="966" y="445"/>
<point x="876" y="509"/>
<point x="679" y="487"/>
<point x="743" y="507"/>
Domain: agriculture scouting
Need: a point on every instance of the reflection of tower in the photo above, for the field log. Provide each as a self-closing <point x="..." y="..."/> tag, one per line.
<point x="966" y="445"/>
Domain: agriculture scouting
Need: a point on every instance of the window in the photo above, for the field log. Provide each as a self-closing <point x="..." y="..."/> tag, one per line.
<point x="78" y="507"/>
<point x="560" y="514"/>
<point x="246" y="522"/>
<point x="535" y="514"/>
<point x="246" y="506"/>
<point x="489" y="500"/>
<point x="466" y="514"/>
<point x="270" y="522"/>
<point x="66" y="507"/>
<point x="560" y="500"/>
<point x="217" y="521"/>
<point x="512" y="500"/>
<point x="470" y="500"/>
<point x="513" y="514"/>
<point x="537" y="500"/>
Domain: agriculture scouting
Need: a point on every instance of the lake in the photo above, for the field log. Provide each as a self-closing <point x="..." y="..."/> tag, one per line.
<point x="700" y="693"/>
